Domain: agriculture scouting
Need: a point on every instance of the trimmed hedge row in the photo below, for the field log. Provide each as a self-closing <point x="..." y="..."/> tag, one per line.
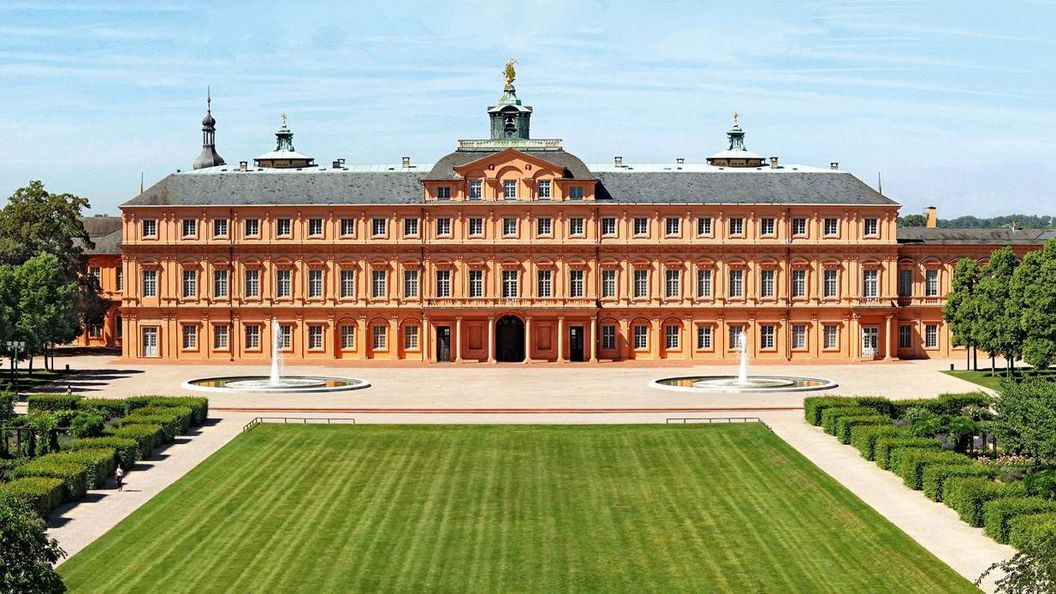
<point x="884" y="447"/>
<point x="935" y="475"/>
<point x="863" y="437"/>
<point x="52" y="402"/>
<point x="127" y="449"/>
<point x="99" y="463"/>
<point x="108" y="407"/>
<point x="952" y="404"/>
<point x="813" y="406"/>
<point x="967" y="495"/>
<point x="998" y="513"/>
<point x="74" y="476"/>
<point x="913" y="461"/>
<point x="40" y="493"/>
<point x="148" y="436"/>
<point x="830" y="415"/>
<point x="199" y="406"/>
<point x="1025" y="531"/>
<point x="844" y="425"/>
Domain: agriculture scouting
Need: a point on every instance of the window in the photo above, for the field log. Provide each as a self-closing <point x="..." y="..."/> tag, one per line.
<point x="641" y="336"/>
<point x="509" y="284"/>
<point x="509" y="189"/>
<point x="671" y="336"/>
<point x="799" y="226"/>
<point x="575" y="226"/>
<point x="832" y="227"/>
<point x="443" y="193"/>
<point x="931" y="283"/>
<point x="641" y="226"/>
<point x="443" y="226"/>
<point x="672" y="288"/>
<point x="410" y="226"/>
<point x="220" y="228"/>
<point x="766" y="336"/>
<point x="378" y="227"/>
<point x="736" y="226"/>
<point x="703" y="283"/>
<point x="641" y="284"/>
<point x="410" y="338"/>
<point x="799" y="336"/>
<point x="190" y="284"/>
<point x="766" y="226"/>
<point x="252" y="283"/>
<point x="220" y="333"/>
<point x="736" y="332"/>
<point x="831" y="288"/>
<point x="575" y="283"/>
<point x="119" y="279"/>
<point x="475" y="189"/>
<point x="476" y="283"/>
<point x="97" y="274"/>
<point x="905" y="337"/>
<point x="608" y="226"/>
<point x="95" y="330"/>
<point x="704" y="337"/>
<point x="285" y="337"/>
<point x="348" y="283"/>
<point x="931" y="336"/>
<point x="190" y="227"/>
<point x="870" y="283"/>
<point x="190" y="337"/>
<point x="377" y="284"/>
<point x="315" y="227"/>
<point x="575" y="193"/>
<point x="315" y="284"/>
<point x="736" y="288"/>
<point x="608" y="337"/>
<point x="766" y="283"/>
<point x="832" y="336"/>
<point x="671" y="225"/>
<point x="509" y="226"/>
<point x="283" y="283"/>
<point x="252" y="227"/>
<point x="443" y="283"/>
<point x="150" y="228"/>
<point x="220" y="284"/>
<point x="608" y="283"/>
<point x="543" y="192"/>
<point x="799" y="283"/>
<point x="315" y="337"/>
<point x="252" y="337"/>
<point x="703" y="226"/>
<point x="543" y="226"/>
<point x="410" y="283"/>
<point x="283" y="227"/>
<point x="871" y="228"/>
<point x="348" y="227"/>
<point x="379" y="335"/>
<point x="476" y="226"/>
<point x="348" y="336"/>
<point x="905" y="282"/>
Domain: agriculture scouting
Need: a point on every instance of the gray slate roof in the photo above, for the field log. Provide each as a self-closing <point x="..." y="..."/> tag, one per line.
<point x="105" y="233"/>
<point x="993" y="236"/>
<point x="737" y="187"/>
<point x="445" y="167"/>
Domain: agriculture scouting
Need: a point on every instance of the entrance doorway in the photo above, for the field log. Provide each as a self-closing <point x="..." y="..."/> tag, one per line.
<point x="870" y="341"/>
<point x="150" y="342"/>
<point x="443" y="344"/>
<point x="509" y="339"/>
<point x="575" y="343"/>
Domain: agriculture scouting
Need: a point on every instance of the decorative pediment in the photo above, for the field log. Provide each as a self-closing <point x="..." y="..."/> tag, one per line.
<point x="528" y="165"/>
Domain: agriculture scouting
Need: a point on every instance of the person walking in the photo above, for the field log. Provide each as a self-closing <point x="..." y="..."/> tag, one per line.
<point x="119" y="477"/>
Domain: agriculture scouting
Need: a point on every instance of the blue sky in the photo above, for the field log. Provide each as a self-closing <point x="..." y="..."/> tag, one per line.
<point x="954" y="102"/>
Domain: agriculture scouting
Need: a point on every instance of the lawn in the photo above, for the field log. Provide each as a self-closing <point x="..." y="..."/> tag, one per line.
<point x="984" y="379"/>
<point x="631" y="508"/>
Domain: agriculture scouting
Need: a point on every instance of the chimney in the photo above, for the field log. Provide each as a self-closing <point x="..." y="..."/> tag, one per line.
<point x="773" y="162"/>
<point x="834" y="165"/>
<point x="932" y="214"/>
<point x="243" y="165"/>
<point x="406" y="163"/>
<point x="341" y="161"/>
<point x="680" y="160"/>
<point x="337" y="164"/>
<point x="617" y="161"/>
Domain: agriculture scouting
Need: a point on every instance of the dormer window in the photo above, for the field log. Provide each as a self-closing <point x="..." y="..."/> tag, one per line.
<point x="509" y="189"/>
<point x="544" y="189"/>
<point x="443" y="193"/>
<point x="575" y="193"/>
<point x="475" y="189"/>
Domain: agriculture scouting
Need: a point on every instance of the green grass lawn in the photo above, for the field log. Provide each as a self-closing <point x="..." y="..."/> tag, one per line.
<point x="633" y="508"/>
<point x="984" y="379"/>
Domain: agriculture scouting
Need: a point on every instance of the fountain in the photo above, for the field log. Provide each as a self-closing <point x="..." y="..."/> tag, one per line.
<point x="742" y="382"/>
<point x="275" y="381"/>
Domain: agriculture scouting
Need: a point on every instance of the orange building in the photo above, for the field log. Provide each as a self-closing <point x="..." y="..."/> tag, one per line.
<point x="512" y="249"/>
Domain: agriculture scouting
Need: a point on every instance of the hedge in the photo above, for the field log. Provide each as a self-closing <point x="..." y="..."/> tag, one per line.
<point x="966" y="496"/>
<point x="52" y="402"/>
<point x="183" y="414"/>
<point x="954" y="404"/>
<point x="99" y="463"/>
<point x="108" y="407"/>
<point x="813" y="406"/>
<point x="829" y="416"/>
<point x="845" y="424"/>
<point x="880" y="404"/>
<point x="148" y="436"/>
<point x="998" y="512"/>
<point x="199" y="406"/>
<point x="912" y="463"/>
<point x="74" y="476"/>
<point x="127" y="449"/>
<point x="170" y="425"/>
<point x="40" y="493"/>
<point x="935" y="475"/>
<point x="883" y="446"/>
<point x="1025" y="531"/>
<point x="7" y="405"/>
<point x="863" y="437"/>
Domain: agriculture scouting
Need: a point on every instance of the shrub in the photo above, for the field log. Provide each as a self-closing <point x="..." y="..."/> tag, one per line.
<point x="182" y="414"/>
<point x="87" y="424"/>
<point x="935" y="475"/>
<point x="966" y="496"/>
<point x="814" y="405"/>
<point x="899" y="408"/>
<point x="863" y="437"/>
<point x="845" y="424"/>
<point x="880" y="404"/>
<point x="148" y="436"/>
<point x="40" y="493"/>
<point x="52" y="402"/>
<point x="74" y="476"/>
<point x="998" y="512"/>
<point x="108" y="407"/>
<point x="913" y="461"/>
<point x="127" y="449"/>
<point x="170" y="425"/>
<point x="99" y="463"/>
<point x="1042" y="483"/>
<point x="954" y="404"/>
<point x="830" y="415"/>
<point x="7" y="405"/>
<point x="199" y="406"/>
<point x="883" y="446"/>
<point x="1028" y="529"/>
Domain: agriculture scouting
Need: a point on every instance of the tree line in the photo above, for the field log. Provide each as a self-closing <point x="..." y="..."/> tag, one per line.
<point x="1021" y="221"/>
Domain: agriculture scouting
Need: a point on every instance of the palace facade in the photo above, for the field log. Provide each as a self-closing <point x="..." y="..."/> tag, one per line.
<point x="512" y="249"/>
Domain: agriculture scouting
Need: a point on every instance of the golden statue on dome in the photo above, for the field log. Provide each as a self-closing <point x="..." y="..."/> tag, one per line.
<point x="509" y="72"/>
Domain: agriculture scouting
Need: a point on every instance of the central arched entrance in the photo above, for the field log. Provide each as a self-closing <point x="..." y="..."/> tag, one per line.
<point x="509" y="339"/>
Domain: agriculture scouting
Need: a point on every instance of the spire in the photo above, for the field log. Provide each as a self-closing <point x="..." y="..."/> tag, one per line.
<point x="735" y="136"/>
<point x="208" y="156"/>
<point x="509" y="118"/>
<point x="283" y="137"/>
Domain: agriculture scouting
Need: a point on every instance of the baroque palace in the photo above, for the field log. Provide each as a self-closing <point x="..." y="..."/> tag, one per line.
<point x="512" y="249"/>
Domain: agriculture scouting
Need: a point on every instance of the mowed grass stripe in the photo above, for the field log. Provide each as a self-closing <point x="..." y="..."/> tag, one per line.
<point x="631" y="508"/>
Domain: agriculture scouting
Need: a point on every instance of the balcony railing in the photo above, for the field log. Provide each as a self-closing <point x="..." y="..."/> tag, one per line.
<point x="529" y="302"/>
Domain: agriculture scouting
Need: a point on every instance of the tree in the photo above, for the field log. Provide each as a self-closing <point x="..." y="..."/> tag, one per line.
<point x="27" y="555"/>
<point x="39" y="303"/>
<point x="1025" y="420"/>
<point x="1034" y="290"/>
<point x="997" y="328"/>
<point x="913" y="220"/>
<point x="35" y="222"/>
<point x="959" y="310"/>
<point x="1031" y="570"/>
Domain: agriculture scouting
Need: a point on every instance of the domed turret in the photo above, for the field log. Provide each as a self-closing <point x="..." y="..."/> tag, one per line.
<point x="208" y="156"/>
<point x="736" y="154"/>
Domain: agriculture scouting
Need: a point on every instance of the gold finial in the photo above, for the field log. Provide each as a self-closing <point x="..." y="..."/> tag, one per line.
<point x="283" y="117"/>
<point x="509" y="72"/>
<point x="735" y="114"/>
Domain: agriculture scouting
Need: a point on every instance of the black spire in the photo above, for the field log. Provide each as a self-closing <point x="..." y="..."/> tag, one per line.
<point x="208" y="156"/>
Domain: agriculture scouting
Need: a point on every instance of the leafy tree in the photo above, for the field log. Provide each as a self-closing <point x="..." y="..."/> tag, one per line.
<point x="1034" y="290"/>
<point x="961" y="302"/>
<point x="39" y="303"/>
<point x="997" y="328"/>
<point x="1025" y="420"/>
<point x="1031" y="570"/>
<point x="913" y="220"/>
<point x="27" y="555"/>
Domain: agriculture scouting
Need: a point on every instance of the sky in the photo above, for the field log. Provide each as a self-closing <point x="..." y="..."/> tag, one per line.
<point x="952" y="103"/>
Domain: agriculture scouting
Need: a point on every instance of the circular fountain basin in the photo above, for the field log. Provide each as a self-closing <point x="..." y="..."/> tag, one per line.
<point x="731" y="383"/>
<point x="263" y="383"/>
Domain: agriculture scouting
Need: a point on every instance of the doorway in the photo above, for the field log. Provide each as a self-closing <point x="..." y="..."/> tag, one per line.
<point x="575" y="343"/>
<point x="443" y="344"/>
<point x="509" y="339"/>
<point x="150" y="342"/>
<point x="870" y="341"/>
